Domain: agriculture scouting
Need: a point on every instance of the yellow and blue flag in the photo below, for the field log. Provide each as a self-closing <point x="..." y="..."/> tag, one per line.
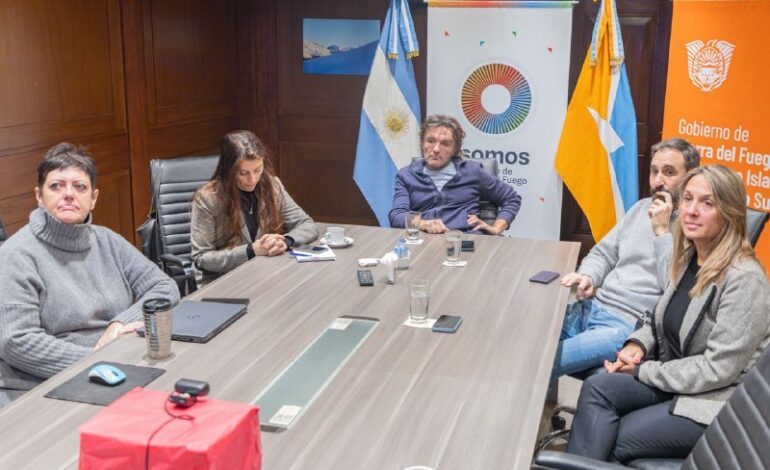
<point x="388" y="136"/>
<point x="597" y="156"/>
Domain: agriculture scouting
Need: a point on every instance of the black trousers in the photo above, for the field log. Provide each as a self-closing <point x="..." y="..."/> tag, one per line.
<point x="620" y="419"/>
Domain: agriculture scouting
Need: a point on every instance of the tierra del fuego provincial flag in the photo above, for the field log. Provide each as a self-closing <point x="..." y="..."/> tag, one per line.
<point x="388" y="136"/>
<point x="597" y="154"/>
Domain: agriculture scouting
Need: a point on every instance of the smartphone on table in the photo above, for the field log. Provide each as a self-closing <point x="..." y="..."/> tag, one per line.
<point x="544" y="277"/>
<point x="447" y="324"/>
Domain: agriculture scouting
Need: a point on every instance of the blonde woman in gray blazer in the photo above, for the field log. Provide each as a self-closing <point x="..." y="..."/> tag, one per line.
<point x="244" y="211"/>
<point x="673" y="375"/>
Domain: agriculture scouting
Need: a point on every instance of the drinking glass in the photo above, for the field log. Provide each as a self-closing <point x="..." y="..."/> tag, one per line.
<point x="419" y="295"/>
<point x="453" y="240"/>
<point x="412" y="221"/>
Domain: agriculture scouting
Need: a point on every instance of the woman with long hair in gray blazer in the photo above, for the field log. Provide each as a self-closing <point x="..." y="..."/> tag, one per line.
<point x="244" y="211"/>
<point x="675" y="373"/>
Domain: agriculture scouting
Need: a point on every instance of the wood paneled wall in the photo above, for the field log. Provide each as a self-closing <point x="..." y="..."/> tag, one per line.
<point x="61" y="81"/>
<point x="182" y="82"/>
<point x="131" y="80"/>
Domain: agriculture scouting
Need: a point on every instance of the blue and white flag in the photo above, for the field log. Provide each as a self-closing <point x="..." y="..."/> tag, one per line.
<point x="388" y="137"/>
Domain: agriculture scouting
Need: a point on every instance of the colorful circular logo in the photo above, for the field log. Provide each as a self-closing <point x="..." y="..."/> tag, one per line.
<point x="484" y="94"/>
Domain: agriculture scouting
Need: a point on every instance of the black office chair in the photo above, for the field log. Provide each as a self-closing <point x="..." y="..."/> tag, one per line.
<point x="166" y="234"/>
<point x="737" y="438"/>
<point x="755" y="223"/>
<point x="3" y="233"/>
<point x="487" y="209"/>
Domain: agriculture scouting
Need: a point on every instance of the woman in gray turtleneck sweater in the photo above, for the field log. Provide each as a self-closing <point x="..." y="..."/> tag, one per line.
<point x="67" y="287"/>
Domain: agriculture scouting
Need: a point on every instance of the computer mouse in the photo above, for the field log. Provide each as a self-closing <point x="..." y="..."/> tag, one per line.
<point x="106" y="374"/>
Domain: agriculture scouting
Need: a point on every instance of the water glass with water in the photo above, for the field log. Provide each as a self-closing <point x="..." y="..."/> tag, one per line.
<point x="412" y="221"/>
<point x="419" y="295"/>
<point x="453" y="240"/>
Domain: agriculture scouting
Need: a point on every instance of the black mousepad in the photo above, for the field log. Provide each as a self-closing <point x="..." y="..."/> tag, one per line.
<point x="81" y="389"/>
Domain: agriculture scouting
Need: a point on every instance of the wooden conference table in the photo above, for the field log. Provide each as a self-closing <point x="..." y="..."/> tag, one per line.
<point x="408" y="396"/>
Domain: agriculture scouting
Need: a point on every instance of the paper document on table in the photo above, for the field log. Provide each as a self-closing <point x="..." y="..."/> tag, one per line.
<point x="308" y="253"/>
<point x="285" y="415"/>
<point x="456" y="264"/>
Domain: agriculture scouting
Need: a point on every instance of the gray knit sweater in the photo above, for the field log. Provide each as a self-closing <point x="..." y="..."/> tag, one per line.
<point x="60" y="287"/>
<point x="630" y="264"/>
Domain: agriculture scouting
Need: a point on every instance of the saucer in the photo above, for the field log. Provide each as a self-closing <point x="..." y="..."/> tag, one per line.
<point x="428" y="323"/>
<point x="458" y="264"/>
<point x="348" y="242"/>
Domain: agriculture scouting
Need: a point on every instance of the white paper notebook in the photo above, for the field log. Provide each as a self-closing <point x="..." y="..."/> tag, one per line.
<point x="307" y="253"/>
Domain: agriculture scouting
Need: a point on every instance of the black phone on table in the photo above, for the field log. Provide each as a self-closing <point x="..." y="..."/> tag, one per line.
<point x="544" y="277"/>
<point x="310" y="248"/>
<point x="365" y="277"/>
<point x="447" y="324"/>
<point x="467" y="245"/>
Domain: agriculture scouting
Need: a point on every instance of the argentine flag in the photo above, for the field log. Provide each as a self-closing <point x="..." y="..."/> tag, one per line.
<point x="388" y="137"/>
<point x="597" y="156"/>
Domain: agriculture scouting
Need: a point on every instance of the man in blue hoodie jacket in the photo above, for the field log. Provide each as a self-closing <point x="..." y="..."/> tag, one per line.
<point x="447" y="189"/>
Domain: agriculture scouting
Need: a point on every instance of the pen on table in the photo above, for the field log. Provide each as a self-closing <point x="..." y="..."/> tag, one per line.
<point x="296" y="253"/>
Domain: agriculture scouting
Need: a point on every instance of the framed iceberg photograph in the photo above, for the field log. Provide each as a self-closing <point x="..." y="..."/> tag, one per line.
<point x="339" y="47"/>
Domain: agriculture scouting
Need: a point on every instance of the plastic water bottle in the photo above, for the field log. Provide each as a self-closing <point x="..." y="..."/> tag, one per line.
<point x="402" y="254"/>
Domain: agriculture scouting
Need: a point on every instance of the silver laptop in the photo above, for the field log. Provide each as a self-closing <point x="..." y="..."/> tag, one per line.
<point x="198" y="322"/>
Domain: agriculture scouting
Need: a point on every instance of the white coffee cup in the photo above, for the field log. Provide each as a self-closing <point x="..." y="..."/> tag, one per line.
<point x="335" y="235"/>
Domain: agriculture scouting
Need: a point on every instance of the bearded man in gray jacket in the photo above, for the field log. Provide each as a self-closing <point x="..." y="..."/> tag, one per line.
<point x="629" y="264"/>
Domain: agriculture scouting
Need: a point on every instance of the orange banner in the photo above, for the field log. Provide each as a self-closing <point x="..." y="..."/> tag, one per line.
<point x="717" y="91"/>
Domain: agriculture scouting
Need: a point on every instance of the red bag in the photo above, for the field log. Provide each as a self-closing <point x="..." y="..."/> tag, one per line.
<point x="221" y="435"/>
